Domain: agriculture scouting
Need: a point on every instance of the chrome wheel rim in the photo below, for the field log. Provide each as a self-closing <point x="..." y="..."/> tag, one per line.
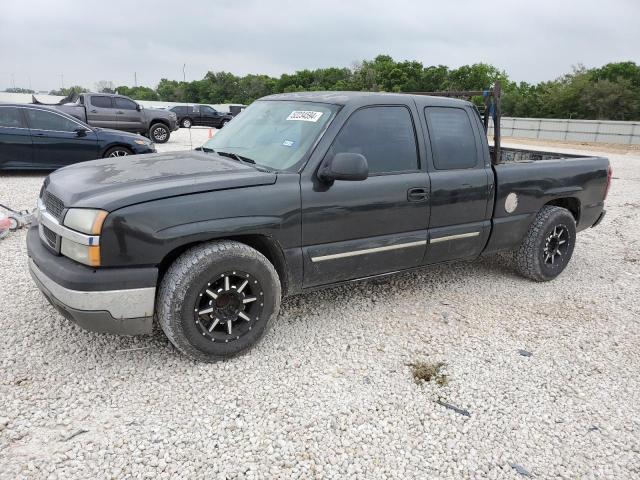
<point x="159" y="134"/>
<point x="556" y="246"/>
<point x="186" y="123"/>
<point x="229" y="306"/>
<point x="119" y="153"/>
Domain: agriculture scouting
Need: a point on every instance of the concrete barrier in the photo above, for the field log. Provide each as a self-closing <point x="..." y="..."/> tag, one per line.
<point x="597" y="131"/>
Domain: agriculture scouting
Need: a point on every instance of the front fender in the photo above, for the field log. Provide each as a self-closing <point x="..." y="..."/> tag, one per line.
<point x="144" y="234"/>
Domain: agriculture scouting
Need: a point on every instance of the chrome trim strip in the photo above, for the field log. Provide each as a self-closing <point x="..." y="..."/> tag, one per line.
<point x="366" y="251"/>
<point x="121" y="304"/>
<point x="454" y="237"/>
<point x="52" y="224"/>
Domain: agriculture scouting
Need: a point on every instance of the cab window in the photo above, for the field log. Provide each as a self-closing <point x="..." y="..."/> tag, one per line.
<point x="384" y="135"/>
<point x="101" y="101"/>
<point x="125" y="103"/>
<point x="453" y="143"/>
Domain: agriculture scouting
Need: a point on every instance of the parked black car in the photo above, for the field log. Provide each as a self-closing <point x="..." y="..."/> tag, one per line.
<point x="200" y="115"/>
<point x="39" y="137"/>
<point x="301" y="191"/>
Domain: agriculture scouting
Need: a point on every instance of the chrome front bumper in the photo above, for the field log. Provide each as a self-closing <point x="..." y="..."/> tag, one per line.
<point x="124" y="312"/>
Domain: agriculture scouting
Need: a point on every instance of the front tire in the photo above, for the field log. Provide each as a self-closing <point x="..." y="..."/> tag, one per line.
<point x="223" y="123"/>
<point x="217" y="300"/>
<point x="548" y="245"/>
<point x="159" y="133"/>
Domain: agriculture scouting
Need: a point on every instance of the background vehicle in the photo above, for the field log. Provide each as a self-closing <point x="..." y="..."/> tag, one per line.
<point x="120" y="113"/>
<point x="301" y="191"/>
<point x="200" y="115"/>
<point x="43" y="138"/>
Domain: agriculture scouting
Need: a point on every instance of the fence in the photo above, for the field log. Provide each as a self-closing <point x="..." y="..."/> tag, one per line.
<point x="598" y="131"/>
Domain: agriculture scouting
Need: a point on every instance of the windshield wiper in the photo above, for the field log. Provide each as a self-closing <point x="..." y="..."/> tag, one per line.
<point x="237" y="157"/>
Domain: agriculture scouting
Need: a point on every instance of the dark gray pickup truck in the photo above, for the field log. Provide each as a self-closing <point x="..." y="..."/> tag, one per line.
<point x="301" y="191"/>
<point x="119" y="113"/>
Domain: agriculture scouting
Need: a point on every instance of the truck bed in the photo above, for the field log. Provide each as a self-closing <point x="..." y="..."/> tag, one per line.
<point x="520" y="155"/>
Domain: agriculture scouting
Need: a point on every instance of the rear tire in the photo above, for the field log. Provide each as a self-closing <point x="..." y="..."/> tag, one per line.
<point x="548" y="245"/>
<point x="186" y="123"/>
<point x="117" y="152"/>
<point x="159" y="133"/>
<point x="211" y="286"/>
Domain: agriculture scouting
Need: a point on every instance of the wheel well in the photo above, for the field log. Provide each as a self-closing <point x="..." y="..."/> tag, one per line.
<point x="267" y="246"/>
<point x="153" y="122"/>
<point x="570" y="203"/>
<point x="121" y="145"/>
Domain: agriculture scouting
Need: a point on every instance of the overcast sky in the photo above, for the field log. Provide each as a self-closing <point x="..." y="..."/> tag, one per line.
<point x="88" y="41"/>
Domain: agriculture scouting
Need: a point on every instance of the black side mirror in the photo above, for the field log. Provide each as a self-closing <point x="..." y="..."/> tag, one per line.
<point x="81" y="132"/>
<point x="344" y="166"/>
<point x="138" y="107"/>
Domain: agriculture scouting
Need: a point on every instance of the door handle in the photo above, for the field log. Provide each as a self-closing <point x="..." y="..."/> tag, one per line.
<point x="94" y="111"/>
<point x="417" y="194"/>
<point x="119" y="112"/>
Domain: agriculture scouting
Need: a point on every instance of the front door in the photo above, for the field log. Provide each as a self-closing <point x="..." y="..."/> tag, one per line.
<point x="128" y="116"/>
<point x="15" y="139"/>
<point x="56" y="142"/>
<point x="461" y="181"/>
<point x="101" y="111"/>
<point x="354" y="229"/>
<point x="210" y="117"/>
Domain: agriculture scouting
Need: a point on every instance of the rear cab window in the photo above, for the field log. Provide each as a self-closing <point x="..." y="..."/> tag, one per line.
<point x="453" y="142"/>
<point x="101" y="101"/>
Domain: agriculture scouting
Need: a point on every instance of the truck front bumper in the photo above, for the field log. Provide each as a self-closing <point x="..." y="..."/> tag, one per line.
<point x="119" y="301"/>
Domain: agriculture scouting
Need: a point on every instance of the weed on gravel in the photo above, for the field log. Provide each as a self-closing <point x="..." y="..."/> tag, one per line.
<point x="427" y="372"/>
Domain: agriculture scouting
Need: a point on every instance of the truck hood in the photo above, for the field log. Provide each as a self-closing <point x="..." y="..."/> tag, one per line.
<point x="113" y="183"/>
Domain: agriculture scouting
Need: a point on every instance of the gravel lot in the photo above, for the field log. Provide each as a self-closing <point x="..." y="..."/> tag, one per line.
<point x="329" y="392"/>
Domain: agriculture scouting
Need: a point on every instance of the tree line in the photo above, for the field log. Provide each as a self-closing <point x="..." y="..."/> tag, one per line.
<point x="610" y="92"/>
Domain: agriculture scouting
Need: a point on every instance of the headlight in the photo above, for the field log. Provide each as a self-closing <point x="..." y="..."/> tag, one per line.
<point x="85" y="220"/>
<point x="87" y="254"/>
<point x="142" y="142"/>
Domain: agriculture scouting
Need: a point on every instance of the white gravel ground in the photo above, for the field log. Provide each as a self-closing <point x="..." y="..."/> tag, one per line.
<point x="328" y="393"/>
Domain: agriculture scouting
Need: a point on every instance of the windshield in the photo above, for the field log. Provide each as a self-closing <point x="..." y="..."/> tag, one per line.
<point x="274" y="134"/>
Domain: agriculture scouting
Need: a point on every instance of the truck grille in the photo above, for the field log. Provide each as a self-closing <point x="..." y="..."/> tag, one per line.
<point x="53" y="205"/>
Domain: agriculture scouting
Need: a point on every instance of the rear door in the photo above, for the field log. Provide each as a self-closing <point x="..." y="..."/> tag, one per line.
<point x="354" y="229"/>
<point x="461" y="185"/>
<point x="128" y="116"/>
<point x="194" y="113"/>
<point x="101" y="111"/>
<point x="55" y="140"/>
<point x="15" y="139"/>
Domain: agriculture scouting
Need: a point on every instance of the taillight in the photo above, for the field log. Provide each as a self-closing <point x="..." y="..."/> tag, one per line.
<point x="609" y="174"/>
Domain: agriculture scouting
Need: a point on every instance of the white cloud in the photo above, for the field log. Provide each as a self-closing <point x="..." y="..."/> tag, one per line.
<point x="92" y="41"/>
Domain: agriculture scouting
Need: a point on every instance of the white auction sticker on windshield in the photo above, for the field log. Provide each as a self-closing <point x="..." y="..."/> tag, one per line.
<point x="304" y="115"/>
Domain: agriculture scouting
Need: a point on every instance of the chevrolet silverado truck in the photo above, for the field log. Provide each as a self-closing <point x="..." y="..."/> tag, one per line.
<point x="301" y="191"/>
<point x="118" y="112"/>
